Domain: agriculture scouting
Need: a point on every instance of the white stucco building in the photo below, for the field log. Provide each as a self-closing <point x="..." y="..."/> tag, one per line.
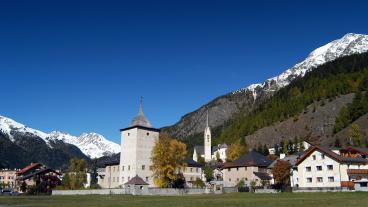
<point x="207" y="151"/>
<point x="322" y="168"/>
<point x="137" y="142"/>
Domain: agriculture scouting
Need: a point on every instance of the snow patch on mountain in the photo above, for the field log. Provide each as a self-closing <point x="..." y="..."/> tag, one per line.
<point x="349" y="44"/>
<point x="91" y="144"/>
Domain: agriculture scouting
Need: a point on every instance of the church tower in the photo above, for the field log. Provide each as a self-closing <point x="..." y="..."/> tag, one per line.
<point x="137" y="142"/>
<point x="207" y="142"/>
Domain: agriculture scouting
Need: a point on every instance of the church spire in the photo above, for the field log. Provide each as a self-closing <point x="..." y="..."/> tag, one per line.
<point x="207" y="125"/>
<point x="140" y="106"/>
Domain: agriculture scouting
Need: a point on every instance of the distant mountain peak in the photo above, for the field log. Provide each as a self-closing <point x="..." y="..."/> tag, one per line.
<point x="91" y="144"/>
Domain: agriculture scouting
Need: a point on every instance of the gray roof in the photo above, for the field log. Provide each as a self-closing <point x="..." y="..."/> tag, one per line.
<point x="136" y="181"/>
<point x="253" y="158"/>
<point x="140" y="119"/>
<point x="199" y="149"/>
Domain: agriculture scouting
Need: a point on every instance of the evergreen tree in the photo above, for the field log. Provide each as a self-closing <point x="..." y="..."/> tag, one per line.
<point x="354" y="134"/>
<point x="337" y="143"/>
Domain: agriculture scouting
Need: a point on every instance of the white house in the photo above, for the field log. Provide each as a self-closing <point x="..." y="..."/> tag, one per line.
<point x="320" y="167"/>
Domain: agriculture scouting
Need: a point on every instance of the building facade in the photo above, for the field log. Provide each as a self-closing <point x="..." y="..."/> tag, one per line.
<point x="8" y="178"/>
<point x="322" y="168"/>
<point x="252" y="167"/>
<point x="137" y="142"/>
<point x="109" y="177"/>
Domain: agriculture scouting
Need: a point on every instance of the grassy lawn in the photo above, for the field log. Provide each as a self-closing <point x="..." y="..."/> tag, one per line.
<point x="225" y="200"/>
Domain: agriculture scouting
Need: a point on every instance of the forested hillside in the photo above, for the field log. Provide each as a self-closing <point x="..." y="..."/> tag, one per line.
<point x="325" y="83"/>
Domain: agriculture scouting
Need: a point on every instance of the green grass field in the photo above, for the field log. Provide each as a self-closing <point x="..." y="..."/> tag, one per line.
<point x="225" y="200"/>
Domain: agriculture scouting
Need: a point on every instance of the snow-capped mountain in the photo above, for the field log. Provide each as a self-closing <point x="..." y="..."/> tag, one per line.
<point x="223" y="108"/>
<point x="91" y="144"/>
<point x="349" y="44"/>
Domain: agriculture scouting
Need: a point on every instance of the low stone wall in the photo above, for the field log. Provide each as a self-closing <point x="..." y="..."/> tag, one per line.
<point x="143" y="191"/>
<point x="316" y="190"/>
<point x="89" y="192"/>
<point x="265" y="191"/>
<point x="230" y="189"/>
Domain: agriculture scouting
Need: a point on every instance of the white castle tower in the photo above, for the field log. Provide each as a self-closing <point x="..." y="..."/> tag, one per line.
<point x="137" y="142"/>
<point x="207" y="142"/>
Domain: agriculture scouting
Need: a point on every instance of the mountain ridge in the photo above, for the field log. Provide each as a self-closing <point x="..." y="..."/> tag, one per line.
<point x="92" y="144"/>
<point x="224" y="107"/>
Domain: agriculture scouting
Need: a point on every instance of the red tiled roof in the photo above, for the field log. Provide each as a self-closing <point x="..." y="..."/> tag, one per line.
<point x="28" y="168"/>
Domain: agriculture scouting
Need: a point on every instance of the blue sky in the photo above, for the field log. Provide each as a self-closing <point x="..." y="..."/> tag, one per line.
<point x="80" y="66"/>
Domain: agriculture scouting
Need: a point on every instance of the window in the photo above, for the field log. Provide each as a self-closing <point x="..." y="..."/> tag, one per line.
<point x="113" y="169"/>
<point x="191" y="169"/>
<point x="117" y="179"/>
<point x="229" y="169"/>
<point x="322" y="156"/>
<point x="237" y="169"/>
<point x="331" y="179"/>
<point x="246" y="179"/>
<point x="122" y="168"/>
<point x="113" y="179"/>
<point x="309" y="180"/>
<point x="245" y="168"/>
<point x="308" y="169"/>
<point x="128" y="178"/>
<point x="314" y="157"/>
<point x="147" y="134"/>
<point x="229" y="179"/>
<point x="319" y="168"/>
<point x="191" y="178"/>
<point x="196" y="169"/>
<point x="122" y="179"/>
<point x="128" y="134"/>
<point x="118" y="168"/>
<point x="143" y="167"/>
<point x="237" y="179"/>
<point x="146" y="179"/>
<point x="329" y="167"/>
<point x="319" y="179"/>
<point x="128" y="167"/>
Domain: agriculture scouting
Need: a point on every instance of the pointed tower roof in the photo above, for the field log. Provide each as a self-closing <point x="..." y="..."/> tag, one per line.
<point x="140" y="119"/>
<point x="207" y="120"/>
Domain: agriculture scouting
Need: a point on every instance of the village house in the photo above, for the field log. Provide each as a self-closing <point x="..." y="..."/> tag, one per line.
<point x="36" y="173"/>
<point x="191" y="172"/>
<point x="249" y="167"/>
<point x="320" y="167"/>
<point x="8" y="178"/>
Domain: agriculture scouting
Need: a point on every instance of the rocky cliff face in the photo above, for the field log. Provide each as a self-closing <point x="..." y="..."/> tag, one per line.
<point x="317" y="121"/>
<point x="222" y="109"/>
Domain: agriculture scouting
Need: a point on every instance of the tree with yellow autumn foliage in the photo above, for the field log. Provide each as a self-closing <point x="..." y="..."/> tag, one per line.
<point x="167" y="157"/>
<point x="235" y="150"/>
